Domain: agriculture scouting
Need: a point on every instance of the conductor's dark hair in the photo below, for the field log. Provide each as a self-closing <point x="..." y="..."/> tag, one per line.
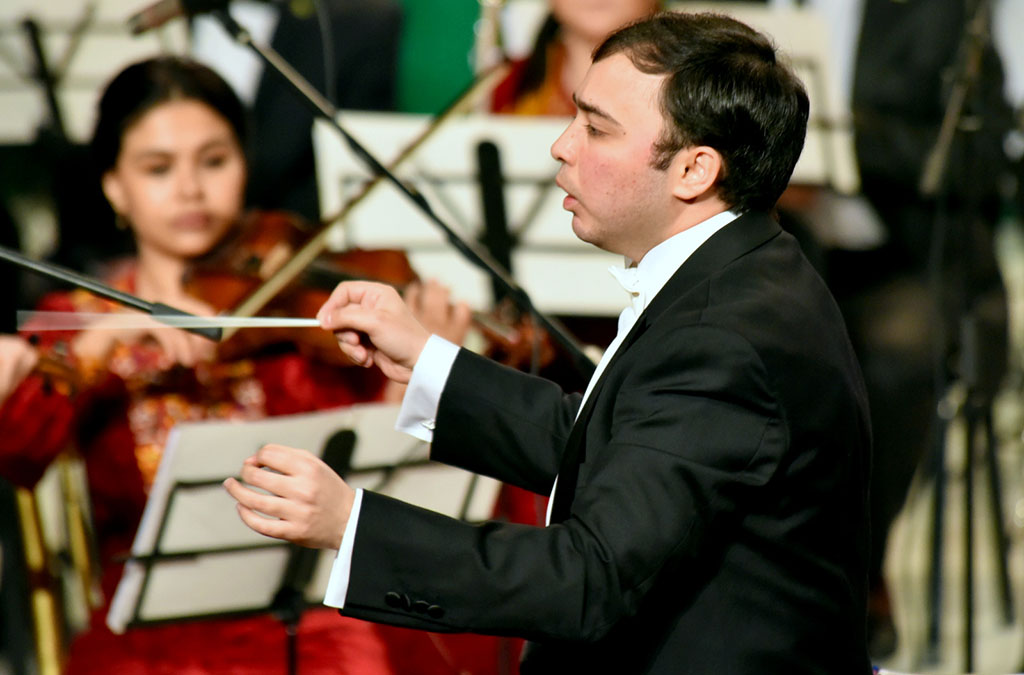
<point x="144" y="85"/>
<point x="724" y="88"/>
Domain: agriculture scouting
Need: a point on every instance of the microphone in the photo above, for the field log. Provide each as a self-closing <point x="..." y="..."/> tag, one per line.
<point x="162" y="11"/>
<point x="498" y="240"/>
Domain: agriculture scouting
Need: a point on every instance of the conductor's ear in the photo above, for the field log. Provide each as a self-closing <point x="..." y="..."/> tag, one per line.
<point x="696" y="171"/>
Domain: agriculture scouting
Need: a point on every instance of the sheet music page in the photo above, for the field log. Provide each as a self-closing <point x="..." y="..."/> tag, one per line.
<point x="206" y="518"/>
<point x="228" y="567"/>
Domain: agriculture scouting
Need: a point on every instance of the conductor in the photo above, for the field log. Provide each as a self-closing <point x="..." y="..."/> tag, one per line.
<point x="710" y="486"/>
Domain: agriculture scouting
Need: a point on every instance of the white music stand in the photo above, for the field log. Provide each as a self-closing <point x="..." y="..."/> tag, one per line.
<point x="193" y="557"/>
<point x="561" y="274"/>
<point x="102" y="49"/>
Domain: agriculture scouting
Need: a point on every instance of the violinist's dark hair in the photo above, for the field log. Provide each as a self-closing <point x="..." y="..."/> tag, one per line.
<point x="724" y="88"/>
<point x="536" y="66"/>
<point x="144" y="85"/>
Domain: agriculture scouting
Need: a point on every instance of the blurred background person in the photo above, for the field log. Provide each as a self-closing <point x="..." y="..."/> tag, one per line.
<point x="543" y="83"/>
<point x="347" y="50"/>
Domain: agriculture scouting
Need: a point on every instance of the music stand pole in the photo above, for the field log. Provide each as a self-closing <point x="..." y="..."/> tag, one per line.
<point x="289" y="601"/>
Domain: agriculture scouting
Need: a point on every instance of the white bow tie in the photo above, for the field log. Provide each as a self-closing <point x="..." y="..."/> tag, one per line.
<point x="629" y="279"/>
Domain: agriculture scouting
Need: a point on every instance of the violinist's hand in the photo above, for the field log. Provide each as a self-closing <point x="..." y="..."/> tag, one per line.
<point x="309" y="504"/>
<point x="178" y="346"/>
<point x="432" y="306"/>
<point x="17" y="359"/>
<point x="374" y="326"/>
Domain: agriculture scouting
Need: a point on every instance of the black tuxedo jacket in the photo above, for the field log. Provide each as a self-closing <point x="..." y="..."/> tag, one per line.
<point x="366" y="37"/>
<point x="710" y="515"/>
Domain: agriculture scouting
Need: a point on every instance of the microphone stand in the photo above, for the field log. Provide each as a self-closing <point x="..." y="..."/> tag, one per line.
<point x="469" y="250"/>
<point x="976" y="338"/>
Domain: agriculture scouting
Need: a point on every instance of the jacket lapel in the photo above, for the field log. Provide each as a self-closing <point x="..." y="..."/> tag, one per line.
<point x="736" y="239"/>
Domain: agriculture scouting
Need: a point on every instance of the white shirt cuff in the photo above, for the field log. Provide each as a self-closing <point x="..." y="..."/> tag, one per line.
<point x="419" y="405"/>
<point x="337" y="583"/>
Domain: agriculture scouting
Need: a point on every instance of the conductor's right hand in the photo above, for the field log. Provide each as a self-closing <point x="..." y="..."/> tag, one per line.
<point x="374" y="326"/>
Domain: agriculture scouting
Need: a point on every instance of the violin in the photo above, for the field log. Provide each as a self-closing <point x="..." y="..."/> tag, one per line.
<point x="227" y="276"/>
<point x="263" y="242"/>
<point x="56" y="374"/>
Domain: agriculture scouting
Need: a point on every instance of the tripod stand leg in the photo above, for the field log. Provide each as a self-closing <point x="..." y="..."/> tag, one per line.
<point x="969" y="545"/>
<point x="999" y="537"/>
<point x="938" y="523"/>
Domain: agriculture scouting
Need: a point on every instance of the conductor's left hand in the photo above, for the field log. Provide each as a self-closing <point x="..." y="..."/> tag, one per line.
<point x="308" y="504"/>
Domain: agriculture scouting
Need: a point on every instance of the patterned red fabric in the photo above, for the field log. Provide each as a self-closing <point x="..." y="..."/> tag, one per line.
<point x="256" y="645"/>
<point x="35" y="423"/>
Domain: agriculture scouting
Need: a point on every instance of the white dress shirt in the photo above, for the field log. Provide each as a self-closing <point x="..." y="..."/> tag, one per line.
<point x="236" y="63"/>
<point x="419" y="406"/>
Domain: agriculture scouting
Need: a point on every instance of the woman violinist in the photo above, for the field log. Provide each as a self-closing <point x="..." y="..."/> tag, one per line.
<point x="169" y="146"/>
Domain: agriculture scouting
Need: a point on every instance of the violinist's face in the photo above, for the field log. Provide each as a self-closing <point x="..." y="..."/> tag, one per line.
<point x="179" y="179"/>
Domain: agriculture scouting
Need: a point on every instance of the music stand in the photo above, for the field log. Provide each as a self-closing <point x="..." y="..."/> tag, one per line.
<point x="191" y="537"/>
<point x="86" y="43"/>
<point x="445" y="169"/>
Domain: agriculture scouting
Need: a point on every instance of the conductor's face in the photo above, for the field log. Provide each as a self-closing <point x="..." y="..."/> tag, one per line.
<point x="618" y="200"/>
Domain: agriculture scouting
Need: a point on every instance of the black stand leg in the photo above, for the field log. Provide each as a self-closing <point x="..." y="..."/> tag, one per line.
<point x="980" y="411"/>
<point x="976" y="413"/>
<point x="292" y="634"/>
<point x="969" y="544"/>
<point x="289" y="602"/>
<point x="288" y="607"/>
<point x="938" y="525"/>
<point x="999" y="536"/>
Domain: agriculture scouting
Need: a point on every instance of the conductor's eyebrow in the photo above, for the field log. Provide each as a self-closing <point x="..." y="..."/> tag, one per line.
<point x="592" y="109"/>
